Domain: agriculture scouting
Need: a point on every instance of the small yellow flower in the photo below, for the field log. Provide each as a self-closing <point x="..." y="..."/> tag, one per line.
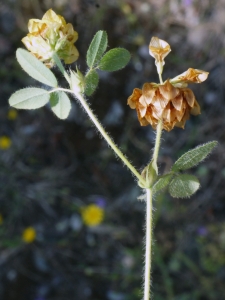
<point x="12" y="114"/>
<point x="49" y="35"/>
<point x="29" y="235"/>
<point x="159" y="49"/>
<point x="92" y="215"/>
<point x="1" y="219"/>
<point x="5" y="142"/>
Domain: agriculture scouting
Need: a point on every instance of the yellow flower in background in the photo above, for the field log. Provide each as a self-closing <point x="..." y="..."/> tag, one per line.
<point x="51" y="34"/>
<point x="92" y="215"/>
<point x="5" y="142"/>
<point x="12" y="114"/>
<point x="29" y="235"/>
<point x="1" y="219"/>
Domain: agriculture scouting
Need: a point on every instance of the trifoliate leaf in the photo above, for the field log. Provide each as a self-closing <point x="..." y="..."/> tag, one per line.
<point x="162" y="183"/>
<point x="193" y="157"/>
<point x="35" y="68"/>
<point x="183" y="186"/>
<point x="91" y="82"/>
<point x="97" y="48"/>
<point x="60" y="104"/>
<point x="29" y="98"/>
<point x="115" y="59"/>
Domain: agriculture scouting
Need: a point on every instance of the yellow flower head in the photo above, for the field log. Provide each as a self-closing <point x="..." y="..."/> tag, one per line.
<point x="92" y="215"/>
<point x="49" y="35"/>
<point x="12" y="114"/>
<point x="5" y="142"/>
<point x="159" y="49"/>
<point x="29" y="235"/>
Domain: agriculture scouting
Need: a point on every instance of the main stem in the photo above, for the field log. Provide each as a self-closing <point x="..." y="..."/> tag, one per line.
<point x="148" y="241"/>
<point x="148" y="244"/>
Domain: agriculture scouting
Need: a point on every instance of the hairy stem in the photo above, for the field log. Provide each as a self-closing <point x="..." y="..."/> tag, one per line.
<point x="148" y="242"/>
<point x="157" y="145"/>
<point x="107" y="138"/>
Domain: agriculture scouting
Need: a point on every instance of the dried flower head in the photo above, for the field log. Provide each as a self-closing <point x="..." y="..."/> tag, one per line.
<point x="166" y="102"/>
<point x="159" y="49"/>
<point x="92" y="215"/>
<point x="49" y="35"/>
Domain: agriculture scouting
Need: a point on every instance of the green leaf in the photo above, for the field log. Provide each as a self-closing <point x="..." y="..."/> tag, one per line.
<point x="29" y="98"/>
<point x="35" y="68"/>
<point x="162" y="183"/>
<point x="183" y="186"/>
<point x="97" y="48"/>
<point x="194" y="157"/>
<point x="91" y="82"/>
<point x="60" y="104"/>
<point x="115" y="59"/>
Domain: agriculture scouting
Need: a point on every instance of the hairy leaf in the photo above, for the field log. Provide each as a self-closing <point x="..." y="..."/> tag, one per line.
<point x="115" y="59"/>
<point x="162" y="183"/>
<point x="193" y="157"/>
<point x="91" y="82"/>
<point x="60" y="104"/>
<point x="29" y="98"/>
<point x="97" y="48"/>
<point x="183" y="186"/>
<point x="35" y="68"/>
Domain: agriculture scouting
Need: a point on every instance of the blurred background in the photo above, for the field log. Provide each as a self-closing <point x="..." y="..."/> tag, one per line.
<point x="51" y="171"/>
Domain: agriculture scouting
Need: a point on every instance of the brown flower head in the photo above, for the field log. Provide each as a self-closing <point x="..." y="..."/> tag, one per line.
<point x="49" y="35"/>
<point x="159" y="49"/>
<point x="164" y="102"/>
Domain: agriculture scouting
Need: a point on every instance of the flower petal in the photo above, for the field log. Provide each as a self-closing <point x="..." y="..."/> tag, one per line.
<point x="189" y="96"/>
<point x="177" y="102"/>
<point x="168" y="90"/>
<point x="148" y="91"/>
<point x="159" y="49"/>
<point x="196" y="110"/>
<point x="191" y="76"/>
<point x="134" y="98"/>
